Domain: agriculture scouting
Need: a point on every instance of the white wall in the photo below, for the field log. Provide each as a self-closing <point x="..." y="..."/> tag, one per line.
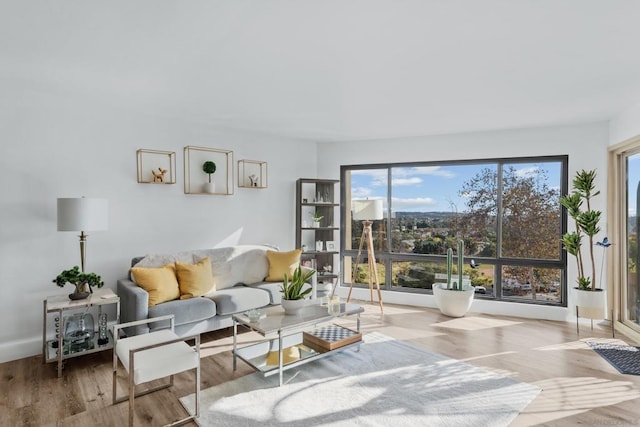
<point x="586" y="146"/>
<point x="59" y="142"/>
<point x="625" y="125"/>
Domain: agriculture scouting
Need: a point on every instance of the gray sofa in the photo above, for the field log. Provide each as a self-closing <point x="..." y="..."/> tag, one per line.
<point x="238" y="274"/>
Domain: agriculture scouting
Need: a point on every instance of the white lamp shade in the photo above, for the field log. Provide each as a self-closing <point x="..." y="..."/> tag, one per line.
<point x="83" y="214"/>
<point x="367" y="210"/>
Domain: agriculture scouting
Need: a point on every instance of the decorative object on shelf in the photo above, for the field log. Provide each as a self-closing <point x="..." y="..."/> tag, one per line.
<point x="454" y="298"/>
<point x="103" y="338"/>
<point x="367" y="211"/>
<point x="252" y="174"/>
<point x="81" y="280"/>
<point x="319" y="245"/>
<point x="158" y="176"/>
<point x="590" y="299"/>
<point x="294" y="292"/>
<point x="78" y="333"/>
<point x="82" y="214"/>
<point x="220" y="181"/>
<point x="316" y="219"/>
<point x="162" y="166"/>
<point x="330" y="245"/>
<point x="209" y="168"/>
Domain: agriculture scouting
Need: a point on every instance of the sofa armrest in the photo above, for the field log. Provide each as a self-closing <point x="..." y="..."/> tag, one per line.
<point x="134" y="305"/>
<point x="314" y="281"/>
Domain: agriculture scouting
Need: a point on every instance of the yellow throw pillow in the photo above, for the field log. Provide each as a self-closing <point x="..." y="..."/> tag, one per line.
<point x="282" y="262"/>
<point x="160" y="283"/>
<point x="194" y="279"/>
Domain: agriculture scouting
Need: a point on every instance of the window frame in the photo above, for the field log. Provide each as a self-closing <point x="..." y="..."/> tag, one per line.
<point x="386" y="257"/>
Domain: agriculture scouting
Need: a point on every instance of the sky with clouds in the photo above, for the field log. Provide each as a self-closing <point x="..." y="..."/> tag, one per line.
<point x="431" y="188"/>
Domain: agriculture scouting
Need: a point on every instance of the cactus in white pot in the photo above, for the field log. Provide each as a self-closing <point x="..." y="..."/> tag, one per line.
<point x="452" y="298"/>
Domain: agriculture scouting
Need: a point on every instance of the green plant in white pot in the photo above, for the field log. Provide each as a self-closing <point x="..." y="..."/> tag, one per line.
<point x="454" y="298"/>
<point x="590" y="298"/>
<point x="294" y="291"/>
<point x="209" y="168"/>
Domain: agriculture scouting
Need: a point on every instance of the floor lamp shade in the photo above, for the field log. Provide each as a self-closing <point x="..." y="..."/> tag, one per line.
<point x="367" y="210"/>
<point x="83" y="214"/>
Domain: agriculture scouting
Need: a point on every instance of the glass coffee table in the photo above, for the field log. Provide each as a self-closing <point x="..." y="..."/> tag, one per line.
<point x="287" y="333"/>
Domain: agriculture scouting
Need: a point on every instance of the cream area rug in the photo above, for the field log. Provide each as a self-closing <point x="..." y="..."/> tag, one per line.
<point x="385" y="383"/>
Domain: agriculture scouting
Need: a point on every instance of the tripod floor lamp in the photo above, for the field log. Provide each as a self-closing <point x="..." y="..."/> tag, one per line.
<point x="82" y="214"/>
<point x="367" y="211"/>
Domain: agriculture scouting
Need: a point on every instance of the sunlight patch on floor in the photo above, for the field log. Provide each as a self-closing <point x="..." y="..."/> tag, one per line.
<point x="580" y="344"/>
<point x="475" y="323"/>
<point x="403" y="334"/>
<point x="562" y="397"/>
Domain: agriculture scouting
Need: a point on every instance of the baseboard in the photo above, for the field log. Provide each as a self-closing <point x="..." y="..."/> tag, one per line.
<point x="20" y="349"/>
<point x="500" y="308"/>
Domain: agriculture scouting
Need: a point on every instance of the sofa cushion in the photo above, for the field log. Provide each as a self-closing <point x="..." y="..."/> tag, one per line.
<point x="238" y="299"/>
<point x="185" y="311"/>
<point x="160" y="283"/>
<point x="281" y="263"/>
<point x="273" y="288"/>
<point x="194" y="280"/>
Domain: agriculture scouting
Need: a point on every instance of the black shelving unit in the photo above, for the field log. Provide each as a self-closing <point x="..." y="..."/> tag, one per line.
<point x="318" y="196"/>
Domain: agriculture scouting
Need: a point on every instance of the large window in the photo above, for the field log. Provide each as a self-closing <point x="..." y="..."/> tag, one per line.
<point x="623" y="221"/>
<point x="506" y="210"/>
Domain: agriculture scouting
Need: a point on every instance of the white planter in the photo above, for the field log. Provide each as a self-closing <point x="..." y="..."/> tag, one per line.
<point x="316" y="224"/>
<point x="452" y="303"/>
<point x="209" y="187"/>
<point x="294" y="306"/>
<point x="591" y="304"/>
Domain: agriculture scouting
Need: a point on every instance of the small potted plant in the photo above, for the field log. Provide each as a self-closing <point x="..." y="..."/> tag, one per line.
<point x="82" y="281"/>
<point x="453" y="298"/>
<point x="209" y="168"/>
<point x="293" y="290"/>
<point x="316" y="219"/>
<point x="586" y="222"/>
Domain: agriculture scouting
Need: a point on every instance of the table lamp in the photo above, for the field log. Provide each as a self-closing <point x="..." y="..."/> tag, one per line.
<point x="83" y="214"/>
<point x="367" y="211"/>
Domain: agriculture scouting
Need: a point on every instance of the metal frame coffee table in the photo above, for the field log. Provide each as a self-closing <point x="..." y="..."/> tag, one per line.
<point x="286" y="330"/>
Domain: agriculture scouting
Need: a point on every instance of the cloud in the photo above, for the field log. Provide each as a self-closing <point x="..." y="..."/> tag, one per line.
<point x="413" y="204"/>
<point x="406" y="181"/>
<point x="527" y="172"/>
<point x="360" y="192"/>
<point x="424" y="170"/>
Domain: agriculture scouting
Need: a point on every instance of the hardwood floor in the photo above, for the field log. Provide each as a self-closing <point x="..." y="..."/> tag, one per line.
<point x="578" y="386"/>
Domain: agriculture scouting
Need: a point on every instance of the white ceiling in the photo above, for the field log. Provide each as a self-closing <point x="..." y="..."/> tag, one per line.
<point x="332" y="70"/>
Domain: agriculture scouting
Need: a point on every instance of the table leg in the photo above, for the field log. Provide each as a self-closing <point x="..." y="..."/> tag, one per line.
<point x="235" y="341"/>
<point x="60" y="343"/>
<point x="358" y="328"/>
<point x="280" y="357"/>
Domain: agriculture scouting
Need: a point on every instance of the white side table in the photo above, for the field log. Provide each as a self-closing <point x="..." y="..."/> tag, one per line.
<point x="58" y="308"/>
